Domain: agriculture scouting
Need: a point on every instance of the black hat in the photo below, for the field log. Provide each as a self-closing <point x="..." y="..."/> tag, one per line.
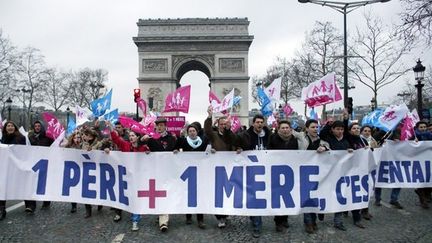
<point x="160" y="120"/>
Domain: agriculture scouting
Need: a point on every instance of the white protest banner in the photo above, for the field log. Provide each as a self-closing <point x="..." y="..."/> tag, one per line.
<point x="404" y="165"/>
<point x="250" y="183"/>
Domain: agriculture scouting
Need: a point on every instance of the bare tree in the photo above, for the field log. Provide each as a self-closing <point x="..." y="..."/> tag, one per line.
<point x="380" y="52"/>
<point x="317" y="58"/>
<point x="87" y="85"/>
<point x="321" y="53"/>
<point x="290" y="85"/>
<point x="416" y="20"/>
<point x="58" y="85"/>
<point x="30" y="79"/>
<point x="8" y="60"/>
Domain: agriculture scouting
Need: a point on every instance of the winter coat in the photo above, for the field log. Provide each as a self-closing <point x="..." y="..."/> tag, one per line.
<point x="276" y="142"/>
<point x="249" y="140"/>
<point x="220" y="142"/>
<point x="126" y="146"/>
<point x="40" y="139"/>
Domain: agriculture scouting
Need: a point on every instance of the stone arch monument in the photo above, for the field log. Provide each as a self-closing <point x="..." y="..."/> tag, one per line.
<point x="169" y="48"/>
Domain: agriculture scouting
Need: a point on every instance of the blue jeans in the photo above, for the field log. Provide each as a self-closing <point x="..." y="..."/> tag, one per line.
<point x="135" y="217"/>
<point x="256" y="221"/>
<point x="394" y="196"/>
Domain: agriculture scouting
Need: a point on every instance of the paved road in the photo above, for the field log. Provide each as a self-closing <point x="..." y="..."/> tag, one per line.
<point x="57" y="224"/>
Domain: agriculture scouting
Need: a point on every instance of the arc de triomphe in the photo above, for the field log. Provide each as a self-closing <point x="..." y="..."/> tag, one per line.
<point x="169" y="48"/>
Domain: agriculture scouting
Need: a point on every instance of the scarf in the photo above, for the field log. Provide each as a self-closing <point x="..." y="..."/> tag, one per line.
<point x="194" y="143"/>
<point x="284" y="137"/>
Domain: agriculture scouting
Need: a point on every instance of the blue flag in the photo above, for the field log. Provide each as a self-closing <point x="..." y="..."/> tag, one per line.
<point x="266" y="108"/>
<point x="264" y="99"/>
<point x="313" y="114"/>
<point x="112" y="116"/>
<point x="101" y="105"/>
<point x="372" y="118"/>
<point x="236" y="100"/>
<point x="294" y="124"/>
<point x="70" y="126"/>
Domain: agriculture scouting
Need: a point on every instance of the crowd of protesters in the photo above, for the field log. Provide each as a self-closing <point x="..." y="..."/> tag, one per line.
<point x="333" y="135"/>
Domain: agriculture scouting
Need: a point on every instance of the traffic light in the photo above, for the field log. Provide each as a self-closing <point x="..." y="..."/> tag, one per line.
<point x="350" y="105"/>
<point x="137" y="94"/>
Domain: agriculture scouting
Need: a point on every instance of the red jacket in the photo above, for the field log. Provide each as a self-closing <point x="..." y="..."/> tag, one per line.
<point x="126" y="146"/>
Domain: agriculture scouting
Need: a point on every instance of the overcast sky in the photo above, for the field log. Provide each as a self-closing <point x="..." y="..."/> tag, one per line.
<point x="98" y="34"/>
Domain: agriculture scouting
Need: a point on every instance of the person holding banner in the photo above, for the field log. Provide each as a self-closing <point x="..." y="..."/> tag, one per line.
<point x="90" y="142"/>
<point x="333" y="133"/>
<point x="74" y="141"/>
<point x="166" y="142"/>
<point x="311" y="141"/>
<point x="221" y="139"/>
<point x="394" y="195"/>
<point x="356" y="142"/>
<point x="256" y="138"/>
<point x="422" y="134"/>
<point x="10" y="135"/>
<point x="283" y="139"/>
<point x="38" y="138"/>
<point x="192" y="143"/>
<point x="128" y="146"/>
<point x="366" y="134"/>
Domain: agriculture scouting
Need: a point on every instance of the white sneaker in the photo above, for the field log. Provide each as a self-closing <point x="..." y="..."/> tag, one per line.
<point x="135" y="226"/>
<point x="221" y="224"/>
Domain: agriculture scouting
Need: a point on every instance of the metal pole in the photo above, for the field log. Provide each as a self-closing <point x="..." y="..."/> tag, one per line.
<point x="136" y="117"/>
<point x="345" y="59"/>
<point x="419" y="87"/>
<point x="9" y="113"/>
<point x="67" y="120"/>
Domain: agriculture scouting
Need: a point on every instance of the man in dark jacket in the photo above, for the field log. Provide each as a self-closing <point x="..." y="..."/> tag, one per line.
<point x="255" y="138"/>
<point x="334" y="134"/>
<point x="422" y="134"/>
<point x="221" y="139"/>
<point x="165" y="143"/>
<point x="38" y="138"/>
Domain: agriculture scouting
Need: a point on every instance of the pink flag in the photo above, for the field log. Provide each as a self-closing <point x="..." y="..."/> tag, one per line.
<point x="235" y="124"/>
<point x="215" y="102"/>
<point x="137" y="127"/>
<point x="272" y="121"/>
<point x="407" y="130"/>
<point x="142" y="105"/>
<point x="409" y="123"/>
<point x="213" y="99"/>
<point x="321" y="92"/>
<point x="178" y="100"/>
<point x="287" y="110"/>
<point x="392" y="116"/>
<point x="54" y="128"/>
<point x="226" y="103"/>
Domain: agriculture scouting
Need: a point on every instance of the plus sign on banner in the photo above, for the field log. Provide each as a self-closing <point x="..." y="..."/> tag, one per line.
<point x="152" y="193"/>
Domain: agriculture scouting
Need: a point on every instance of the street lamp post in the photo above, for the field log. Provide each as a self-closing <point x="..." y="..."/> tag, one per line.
<point x="373" y="104"/>
<point x="23" y="118"/>
<point x="67" y="117"/>
<point x="419" y="76"/>
<point x="344" y="8"/>
<point x="9" y="107"/>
